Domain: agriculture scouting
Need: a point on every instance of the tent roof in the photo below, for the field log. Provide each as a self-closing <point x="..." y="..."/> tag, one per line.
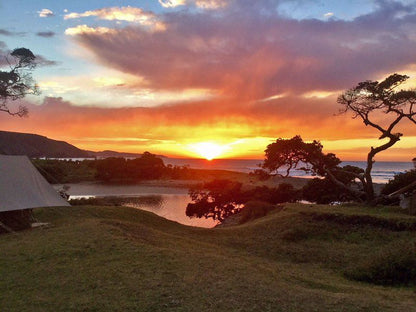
<point x="23" y="187"/>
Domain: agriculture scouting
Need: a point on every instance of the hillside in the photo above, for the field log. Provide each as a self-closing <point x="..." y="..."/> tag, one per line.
<point x="34" y="145"/>
<point x="119" y="259"/>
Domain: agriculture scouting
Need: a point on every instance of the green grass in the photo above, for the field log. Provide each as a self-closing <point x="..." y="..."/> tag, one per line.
<point x="120" y="259"/>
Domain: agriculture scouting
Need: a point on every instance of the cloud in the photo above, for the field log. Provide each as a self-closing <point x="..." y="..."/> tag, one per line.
<point x="254" y="54"/>
<point x="202" y="4"/>
<point x="84" y="30"/>
<point x="172" y="3"/>
<point x="128" y="14"/>
<point x="210" y="4"/>
<point x="6" y="32"/>
<point x="42" y="61"/>
<point x="329" y="14"/>
<point x="46" y="13"/>
<point x="46" y="34"/>
<point x="180" y="124"/>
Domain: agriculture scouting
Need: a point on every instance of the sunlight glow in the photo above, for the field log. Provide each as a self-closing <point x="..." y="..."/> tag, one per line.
<point x="208" y="150"/>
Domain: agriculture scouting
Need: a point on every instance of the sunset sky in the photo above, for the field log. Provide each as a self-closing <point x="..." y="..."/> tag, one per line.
<point x="166" y="76"/>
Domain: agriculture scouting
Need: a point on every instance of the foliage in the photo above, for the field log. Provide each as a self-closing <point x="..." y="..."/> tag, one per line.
<point x="147" y="167"/>
<point x="399" y="181"/>
<point x="324" y="191"/>
<point x="283" y="193"/>
<point x="117" y="201"/>
<point x="17" y="82"/>
<point x="217" y="199"/>
<point x="255" y="209"/>
<point x="293" y="153"/>
<point x="260" y="174"/>
<point x="393" y="265"/>
<point x="220" y="199"/>
<point x="65" y="171"/>
<point x="370" y="98"/>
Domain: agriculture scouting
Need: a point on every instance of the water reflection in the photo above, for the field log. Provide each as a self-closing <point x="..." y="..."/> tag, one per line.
<point x="171" y="207"/>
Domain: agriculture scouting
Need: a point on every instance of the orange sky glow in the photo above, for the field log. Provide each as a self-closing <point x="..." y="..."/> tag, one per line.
<point x="212" y="79"/>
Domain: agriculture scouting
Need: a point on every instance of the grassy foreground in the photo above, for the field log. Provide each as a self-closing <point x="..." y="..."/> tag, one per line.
<point x="121" y="259"/>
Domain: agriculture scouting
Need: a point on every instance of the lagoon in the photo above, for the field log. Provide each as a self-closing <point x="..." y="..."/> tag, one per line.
<point x="167" y="202"/>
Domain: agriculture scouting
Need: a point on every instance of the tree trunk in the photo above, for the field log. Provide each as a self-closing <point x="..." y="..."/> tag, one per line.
<point x="368" y="186"/>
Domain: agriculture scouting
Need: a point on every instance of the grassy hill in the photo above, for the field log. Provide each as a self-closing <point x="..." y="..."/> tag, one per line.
<point x="121" y="259"/>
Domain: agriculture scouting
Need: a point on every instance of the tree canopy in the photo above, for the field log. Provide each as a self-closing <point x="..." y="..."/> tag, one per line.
<point x="380" y="105"/>
<point x="17" y="82"/>
<point x="294" y="153"/>
<point x="220" y="199"/>
<point x="370" y="98"/>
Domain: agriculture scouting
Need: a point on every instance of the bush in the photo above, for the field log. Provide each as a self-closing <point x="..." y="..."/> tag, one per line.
<point x="399" y="181"/>
<point x="254" y="210"/>
<point x="393" y="266"/>
<point x="324" y="191"/>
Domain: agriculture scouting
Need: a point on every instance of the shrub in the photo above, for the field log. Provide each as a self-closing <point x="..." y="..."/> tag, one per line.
<point x="392" y="266"/>
<point x="254" y="210"/>
<point x="399" y="181"/>
<point x="324" y="191"/>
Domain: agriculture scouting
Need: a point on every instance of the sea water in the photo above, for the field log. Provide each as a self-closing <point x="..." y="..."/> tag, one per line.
<point x="382" y="172"/>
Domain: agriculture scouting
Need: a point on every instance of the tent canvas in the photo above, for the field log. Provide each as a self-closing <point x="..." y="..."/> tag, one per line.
<point x="23" y="187"/>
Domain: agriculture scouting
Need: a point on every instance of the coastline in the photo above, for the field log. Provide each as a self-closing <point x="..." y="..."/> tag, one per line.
<point x="170" y="186"/>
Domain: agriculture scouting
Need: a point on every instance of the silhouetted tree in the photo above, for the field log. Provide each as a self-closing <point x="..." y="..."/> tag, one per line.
<point x="220" y="199"/>
<point x="370" y="98"/>
<point x="217" y="199"/>
<point x="294" y="153"/>
<point x="17" y="82"/>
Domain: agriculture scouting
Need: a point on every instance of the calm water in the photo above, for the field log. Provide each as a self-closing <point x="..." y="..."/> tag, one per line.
<point x="169" y="202"/>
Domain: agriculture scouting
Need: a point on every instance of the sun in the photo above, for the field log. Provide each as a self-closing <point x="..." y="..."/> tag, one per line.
<point x="208" y="150"/>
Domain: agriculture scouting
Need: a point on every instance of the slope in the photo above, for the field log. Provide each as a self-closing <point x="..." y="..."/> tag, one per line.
<point x="120" y="259"/>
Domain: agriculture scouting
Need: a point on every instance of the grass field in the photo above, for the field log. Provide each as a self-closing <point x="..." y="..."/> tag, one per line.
<point x="120" y="259"/>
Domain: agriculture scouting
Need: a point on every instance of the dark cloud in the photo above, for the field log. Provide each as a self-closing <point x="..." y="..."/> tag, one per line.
<point x="46" y="34"/>
<point x="9" y="33"/>
<point x="42" y="61"/>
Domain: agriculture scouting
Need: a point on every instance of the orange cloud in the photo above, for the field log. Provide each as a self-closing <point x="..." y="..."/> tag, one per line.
<point x="171" y="129"/>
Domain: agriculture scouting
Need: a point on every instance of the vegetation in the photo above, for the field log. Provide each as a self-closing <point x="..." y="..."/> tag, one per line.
<point x="293" y="153"/>
<point x="399" y="181"/>
<point x="118" y="200"/>
<point x="220" y="199"/>
<point x="17" y="82"/>
<point x="121" y="170"/>
<point x="324" y="191"/>
<point x="118" y="259"/>
<point x="394" y="264"/>
<point x="66" y="171"/>
<point x="366" y="101"/>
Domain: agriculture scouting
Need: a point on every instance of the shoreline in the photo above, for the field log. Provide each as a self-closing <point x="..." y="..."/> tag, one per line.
<point x="180" y="186"/>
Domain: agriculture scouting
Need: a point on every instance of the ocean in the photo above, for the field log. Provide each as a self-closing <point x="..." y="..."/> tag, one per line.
<point x="382" y="172"/>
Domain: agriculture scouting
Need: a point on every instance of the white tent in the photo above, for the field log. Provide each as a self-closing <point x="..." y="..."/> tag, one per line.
<point x="23" y="187"/>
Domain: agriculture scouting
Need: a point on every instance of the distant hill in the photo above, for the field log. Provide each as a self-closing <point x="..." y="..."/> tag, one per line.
<point x="34" y="145"/>
<point x="107" y="153"/>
